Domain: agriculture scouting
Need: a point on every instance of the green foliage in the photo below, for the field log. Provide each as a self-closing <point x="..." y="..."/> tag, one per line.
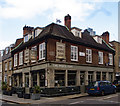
<point x="36" y="89"/>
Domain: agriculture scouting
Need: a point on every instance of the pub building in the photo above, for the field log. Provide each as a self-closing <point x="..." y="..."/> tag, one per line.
<point x="61" y="59"/>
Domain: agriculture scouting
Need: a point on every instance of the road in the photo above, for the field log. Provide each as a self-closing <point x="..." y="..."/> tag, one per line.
<point x="110" y="100"/>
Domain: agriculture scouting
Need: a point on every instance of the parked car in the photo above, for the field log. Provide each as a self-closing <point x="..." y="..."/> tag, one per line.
<point x="101" y="88"/>
<point x="117" y="84"/>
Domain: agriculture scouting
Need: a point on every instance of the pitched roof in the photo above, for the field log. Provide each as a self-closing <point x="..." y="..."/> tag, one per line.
<point x="60" y="31"/>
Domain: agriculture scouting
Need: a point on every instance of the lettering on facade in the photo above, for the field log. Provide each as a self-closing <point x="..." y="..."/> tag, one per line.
<point x="81" y="54"/>
<point x="33" y="54"/>
<point x="62" y="66"/>
<point x="60" y="50"/>
<point x="26" y="58"/>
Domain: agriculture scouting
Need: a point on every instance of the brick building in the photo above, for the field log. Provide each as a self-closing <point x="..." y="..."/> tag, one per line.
<point x="116" y="46"/>
<point x="61" y="56"/>
<point x="7" y="65"/>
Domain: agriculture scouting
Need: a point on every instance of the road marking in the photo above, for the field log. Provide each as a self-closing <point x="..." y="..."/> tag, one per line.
<point x="74" y="103"/>
<point x="110" y="97"/>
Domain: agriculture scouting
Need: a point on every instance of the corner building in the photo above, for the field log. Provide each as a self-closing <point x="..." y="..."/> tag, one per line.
<point x="61" y="59"/>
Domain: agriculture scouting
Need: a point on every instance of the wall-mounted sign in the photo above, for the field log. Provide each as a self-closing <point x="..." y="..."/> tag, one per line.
<point x="33" y="54"/>
<point x="26" y="56"/>
<point x="60" y="50"/>
<point x="81" y="54"/>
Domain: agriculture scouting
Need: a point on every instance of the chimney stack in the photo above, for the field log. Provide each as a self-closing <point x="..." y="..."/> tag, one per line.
<point x="67" y="21"/>
<point x="27" y="30"/>
<point x="105" y="37"/>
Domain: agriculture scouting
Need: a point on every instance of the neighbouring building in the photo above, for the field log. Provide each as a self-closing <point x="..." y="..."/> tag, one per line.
<point x="7" y="65"/>
<point x="116" y="46"/>
<point x="61" y="57"/>
<point x="1" y="54"/>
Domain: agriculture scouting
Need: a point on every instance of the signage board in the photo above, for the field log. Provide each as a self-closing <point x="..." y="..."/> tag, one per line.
<point x="81" y="54"/>
<point x="60" y="50"/>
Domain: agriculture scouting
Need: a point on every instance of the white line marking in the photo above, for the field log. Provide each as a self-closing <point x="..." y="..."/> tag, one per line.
<point x="75" y="103"/>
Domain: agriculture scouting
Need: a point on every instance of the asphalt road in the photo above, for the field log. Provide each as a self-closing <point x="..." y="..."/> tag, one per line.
<point x="108" y="100"/>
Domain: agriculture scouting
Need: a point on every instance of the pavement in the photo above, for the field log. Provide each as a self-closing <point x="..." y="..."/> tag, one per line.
<point x="16" y="100"/>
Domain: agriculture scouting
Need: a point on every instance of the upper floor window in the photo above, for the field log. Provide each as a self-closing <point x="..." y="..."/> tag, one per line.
<point x="74" y="53"/>
<point x="15" y="60"/>
<point x="6" y="51"/>
<point x="119" y="61"/>
<point x="21" y="58"/>
<point x="0" y="67"/>
<point x="6" y="66"/>
<point x="110" y="59"/>
<point x="100" y="57"/>
<point x="10" y="65"/>
<point x="42" y="51"/>
<point x="89" y="55"/>
<point x="26" y="38"/>
<point x="33" y="54"/>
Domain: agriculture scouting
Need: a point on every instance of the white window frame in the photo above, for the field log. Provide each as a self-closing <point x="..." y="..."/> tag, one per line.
<point x="110" y="59"/>
<point x="6" y="66"/>
<point x="21" y="58"/>
<point x="15" y="60"/>
<point x="100" y="55"/>
<point x="88" y="55"/>
<point x="10" y="65"/>
<point x="42" y="51"/>
<point x="74" y="53"/>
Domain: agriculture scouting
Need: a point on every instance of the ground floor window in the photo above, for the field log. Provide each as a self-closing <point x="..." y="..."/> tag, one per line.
<point x="34" y="79"/>
<point x="98" y="74"/>
<point x="59" y="78"/>
<point x="71" y="78"/>
<point x="10" y="81"/>
<point x="42" y="78"/>
<point x="110" y="77"/>
<point x="82" y="78"/>
<point x="103" y="76"/>
<point x="20" y="81"/>
<point x="90" y="77"/>
<point x="15" y="80"/>
<point x="26" y="80"/>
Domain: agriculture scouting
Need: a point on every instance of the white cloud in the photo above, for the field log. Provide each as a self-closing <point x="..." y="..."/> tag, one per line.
<point x="27" y="9"/>
<point x="4" y="44"/>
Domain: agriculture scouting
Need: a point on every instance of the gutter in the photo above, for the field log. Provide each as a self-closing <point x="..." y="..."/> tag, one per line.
<point x="108" y="45"/>
<point x="16" y="46"/>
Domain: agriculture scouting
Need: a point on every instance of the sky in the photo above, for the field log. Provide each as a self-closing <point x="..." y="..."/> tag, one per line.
<point x="101" y="15"/>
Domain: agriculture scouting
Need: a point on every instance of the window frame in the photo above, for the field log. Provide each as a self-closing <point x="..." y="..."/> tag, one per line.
<point x="6" y="66"/>
<point x="74" y="52"/>
<point x="10" y="65"/>
<point x="100" y="55"/>
<point x="89" y="55"/>
<point x="42" y="50"/>
<point x="21" y="58"/>
<point x="15" y="60"/>
<point x="110" y="59"/>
